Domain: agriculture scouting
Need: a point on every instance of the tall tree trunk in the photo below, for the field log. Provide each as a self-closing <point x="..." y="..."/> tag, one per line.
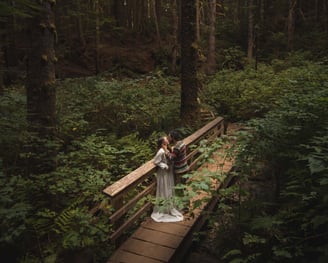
<point x="197" y="20"/>
<point x="80" y="25"/>
<point x="40" y="89"/>
<point x="250" y="42"/>
<point x="316" y="10"/>
<point x="175" y="27"/>
<point x="97" y="44"/>
<point x="2" y="66"/>
<point x="120" y="8"/>
<point x="211" y="56"/>
<point x="1" y="70"/>
<point x="258" y="29"/>
<point x="11" y="43"/>
<point x="291" y="24"/>
<point x="236" y="12"/>
<point x="156" y="23"/>
<point x="325" y="15"/>
<point x="189" y="111"/>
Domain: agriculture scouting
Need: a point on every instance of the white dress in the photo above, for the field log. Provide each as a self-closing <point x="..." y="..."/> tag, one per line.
<point x="164" y="210"/>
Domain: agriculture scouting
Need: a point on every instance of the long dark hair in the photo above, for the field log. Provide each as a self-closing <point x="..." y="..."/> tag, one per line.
<point x="174" y="135"/>
<point x="160" y="142"/>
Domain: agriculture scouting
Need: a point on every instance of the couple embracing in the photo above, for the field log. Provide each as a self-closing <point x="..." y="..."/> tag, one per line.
<point x="171" y="162"/>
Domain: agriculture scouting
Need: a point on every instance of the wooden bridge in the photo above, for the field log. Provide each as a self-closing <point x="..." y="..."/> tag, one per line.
<point x="152" y="242"/>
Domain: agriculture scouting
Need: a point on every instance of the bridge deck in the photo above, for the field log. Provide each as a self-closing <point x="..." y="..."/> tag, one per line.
<point x="153" y="242"/>
<point x="156" y="242"/>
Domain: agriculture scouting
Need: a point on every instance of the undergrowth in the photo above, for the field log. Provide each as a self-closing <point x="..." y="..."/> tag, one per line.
<point x="107" y="128"/>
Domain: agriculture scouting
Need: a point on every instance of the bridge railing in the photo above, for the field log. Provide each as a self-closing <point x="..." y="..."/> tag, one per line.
<point x="128" y="195"/>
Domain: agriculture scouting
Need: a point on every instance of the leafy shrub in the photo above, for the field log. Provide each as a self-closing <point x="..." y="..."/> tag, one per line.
<point x="13" y="124"/>
<point x="242" y="95"/>
<point x="289" y="144"/>
<point x="105" y="129"/>
<point x="143" y="105"/>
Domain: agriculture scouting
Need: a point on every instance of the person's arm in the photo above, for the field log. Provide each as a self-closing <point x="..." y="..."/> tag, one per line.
<point x="158" y="160"/>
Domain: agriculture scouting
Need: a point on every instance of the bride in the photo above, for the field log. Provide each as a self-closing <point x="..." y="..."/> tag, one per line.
<point x="164" y="210"/>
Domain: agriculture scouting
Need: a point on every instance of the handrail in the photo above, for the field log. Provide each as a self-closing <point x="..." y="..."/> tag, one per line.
<point x="122" y="200"/>
<point x="147" y="168"/>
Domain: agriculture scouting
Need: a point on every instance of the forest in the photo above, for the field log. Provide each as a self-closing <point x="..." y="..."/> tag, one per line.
<point x="87" y="87"/>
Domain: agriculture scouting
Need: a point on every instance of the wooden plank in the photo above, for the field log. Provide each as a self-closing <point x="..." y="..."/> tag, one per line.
<point x="168" y="242"/>
<point x="148" y="250"/>
<point x="202" y="131"/>
<point x="188" y="221"/>
<point x="122" y="256"/>
<point x="131" y="179"/>
<point x="155" y="237"/>
<point x="169" y="228"/>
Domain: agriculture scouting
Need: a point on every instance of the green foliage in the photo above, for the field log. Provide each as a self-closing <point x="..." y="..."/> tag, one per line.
<point x="145" y="104"/>
<point x="101" y="134"/>
<point x="288" y="146"/>
<point x="13" y="122"/>
<point x="242" y="95"/>
<point x="233" y="58"/>
<point x="102" y="129"/>
<point x="199" y="183"/>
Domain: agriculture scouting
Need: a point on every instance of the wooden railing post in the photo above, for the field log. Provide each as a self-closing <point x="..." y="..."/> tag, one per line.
<point x="117" y="203"/>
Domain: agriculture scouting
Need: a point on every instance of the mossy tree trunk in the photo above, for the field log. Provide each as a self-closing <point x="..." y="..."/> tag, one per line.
<point x="40" y="88"/>
<point x="189" y="111"/>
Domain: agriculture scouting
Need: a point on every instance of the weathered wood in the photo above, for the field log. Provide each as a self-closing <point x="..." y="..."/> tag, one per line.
<point x="168" y="228"/>
<point x="122" y="256"/>
<point x="147" y="169"/>
<point x="195" y="137"/>
<point x="125" y="208"/>
<point x="156" y="237"/>
<point x="148" y="250"/>
<point x="156" y="242"/>
<point x="129" y="222"/>
<point x="130" y="180"/>
<point x="120" y="191"/>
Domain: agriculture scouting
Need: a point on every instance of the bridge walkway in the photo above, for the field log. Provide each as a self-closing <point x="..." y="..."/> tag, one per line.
<point x="154" y="242"/>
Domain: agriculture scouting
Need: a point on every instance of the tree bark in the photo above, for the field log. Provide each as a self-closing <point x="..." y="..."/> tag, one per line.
<point x="250" y="45"/>
<point x="316" y="10"/>
<point x="2" y="69"/>
<point x="175" y="27"/>
<point x="120" y="8"/>
<point x="40" y="88"/>
<point x="156" y="23"/>
<point x="211" y="56"/>
<point x="80" y="25"/>
<point x="189" y="111"/>
<point x="97" y="44"/>
<point x="291" y="24"/>
<point x="197" y="20"/>
<point x="325" y="15"/>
